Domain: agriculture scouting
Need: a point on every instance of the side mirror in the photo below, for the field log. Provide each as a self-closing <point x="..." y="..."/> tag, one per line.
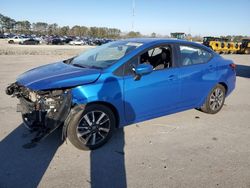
<point x="142" y="69"/>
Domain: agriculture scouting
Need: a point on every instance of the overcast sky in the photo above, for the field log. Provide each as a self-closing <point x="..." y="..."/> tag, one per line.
<point x="198" y="17"/>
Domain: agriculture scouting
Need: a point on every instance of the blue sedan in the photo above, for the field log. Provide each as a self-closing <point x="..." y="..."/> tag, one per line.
<point x="121" y="83"/>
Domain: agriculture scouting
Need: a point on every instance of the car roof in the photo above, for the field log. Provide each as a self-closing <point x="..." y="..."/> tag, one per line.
<point x="159" y="40"/>
<point x="155" y="41"/>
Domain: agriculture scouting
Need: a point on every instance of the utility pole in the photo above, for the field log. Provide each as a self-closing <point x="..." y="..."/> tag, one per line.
<point x="133" y="15"/>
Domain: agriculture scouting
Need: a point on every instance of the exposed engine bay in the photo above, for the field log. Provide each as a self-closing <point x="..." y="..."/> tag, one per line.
<point x="42" y="111"/>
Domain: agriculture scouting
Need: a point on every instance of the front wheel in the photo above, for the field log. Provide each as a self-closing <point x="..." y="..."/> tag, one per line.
<point x="92" y="127"/>
<point x="215" y="100"/>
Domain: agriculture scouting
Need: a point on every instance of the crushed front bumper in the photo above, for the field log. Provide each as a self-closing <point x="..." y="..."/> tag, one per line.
<point x="42" y="111"/>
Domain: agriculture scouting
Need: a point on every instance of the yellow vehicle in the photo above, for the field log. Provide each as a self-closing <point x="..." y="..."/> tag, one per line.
<point x="232" y="47"/>
<point x="221" y="45"/>
<point x="217" y="46"/>
<point x="245" y="46"/>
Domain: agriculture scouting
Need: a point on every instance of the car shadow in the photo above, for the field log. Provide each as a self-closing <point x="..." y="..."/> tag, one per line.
<point x="20" y="167"/>
<point x="107" y="164"/>
<point x="243" y="71"/>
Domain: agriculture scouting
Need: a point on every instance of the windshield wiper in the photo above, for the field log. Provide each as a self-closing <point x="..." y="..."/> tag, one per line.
<point x="79" y="65"/>
<point x="85" y="66"/>
<point x="68" y="61"/>
<point x="95" y="67"/>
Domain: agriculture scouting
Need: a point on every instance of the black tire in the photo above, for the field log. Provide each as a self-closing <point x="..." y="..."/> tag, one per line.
<point x="11" y="42"/>
<point x="215" y="100"/>
<point x="28" y="121"/>
<point x="80" y="133"/>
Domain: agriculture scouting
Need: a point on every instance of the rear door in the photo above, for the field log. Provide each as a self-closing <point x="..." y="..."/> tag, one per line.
<point x="197" y="74"/>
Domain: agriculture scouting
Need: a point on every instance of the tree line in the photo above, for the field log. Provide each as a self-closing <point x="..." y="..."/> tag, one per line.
<point x="10" y="25"/>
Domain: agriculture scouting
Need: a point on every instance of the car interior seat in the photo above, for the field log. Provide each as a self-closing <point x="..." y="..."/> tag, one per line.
<point x="165" y="59"/>
<point x="144" y="58"/>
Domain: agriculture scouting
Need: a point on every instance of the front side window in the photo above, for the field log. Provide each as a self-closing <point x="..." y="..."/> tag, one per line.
<point x="159" y="57"/>
<point x="193" y="55"/>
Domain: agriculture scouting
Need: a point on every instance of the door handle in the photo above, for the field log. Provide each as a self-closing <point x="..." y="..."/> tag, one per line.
<point x="211" y="67"/>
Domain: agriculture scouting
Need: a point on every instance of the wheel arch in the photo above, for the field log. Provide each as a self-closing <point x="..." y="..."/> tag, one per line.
<point x="112" y="107"/>
<point x="204" y="98"/>
<point x="225" y="86"/>
<point x="80" y="107"/>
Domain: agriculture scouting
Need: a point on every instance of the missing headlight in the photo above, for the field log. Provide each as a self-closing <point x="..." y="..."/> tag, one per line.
<point x="42" y="111"/>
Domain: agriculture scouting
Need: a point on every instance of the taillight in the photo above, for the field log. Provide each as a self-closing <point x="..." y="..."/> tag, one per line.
<point x="233" y="66"/>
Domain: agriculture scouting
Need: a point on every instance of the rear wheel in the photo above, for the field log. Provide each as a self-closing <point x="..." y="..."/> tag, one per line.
<point x="92" y="127"/>
<point x="215" y="100"/>
<point x="247" y="51"/>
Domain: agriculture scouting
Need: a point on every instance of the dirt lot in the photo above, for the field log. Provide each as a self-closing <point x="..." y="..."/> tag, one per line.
<point x="41" y="49"/>
<point x="187" y="149"/>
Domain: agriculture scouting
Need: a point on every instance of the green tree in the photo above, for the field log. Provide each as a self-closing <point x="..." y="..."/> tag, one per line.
<point x="40" y="28"/>
<point x="7" y="23"/>
<point x="75" y="30"/>
<point x="51" y="29"/>
<point x="23" y="27"/>
<point x="114" y="33"/>
<point x="93" y="31"/>
<point x="153" y="35"/>
<point x="1" y="23"/>
<point x="84" y="31"/>
<point x="133" y="34"/>
<point x="64" y="30"/>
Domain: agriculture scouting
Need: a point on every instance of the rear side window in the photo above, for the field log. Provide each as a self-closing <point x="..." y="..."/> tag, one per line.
<point x="193" y="55"/>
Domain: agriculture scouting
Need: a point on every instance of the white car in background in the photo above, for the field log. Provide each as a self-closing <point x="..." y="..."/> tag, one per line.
<point x="77" y="42"/>
<point x="17" y="40"/>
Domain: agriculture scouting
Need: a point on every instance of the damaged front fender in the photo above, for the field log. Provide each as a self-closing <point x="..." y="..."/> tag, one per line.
<point x="75" y="113"/>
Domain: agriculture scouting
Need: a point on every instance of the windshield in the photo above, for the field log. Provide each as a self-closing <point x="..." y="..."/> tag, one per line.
<point x="105" y="55"/>
<point x="205" y="39"/>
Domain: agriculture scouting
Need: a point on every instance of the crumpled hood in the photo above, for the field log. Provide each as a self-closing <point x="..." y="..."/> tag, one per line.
<point x="57" y="75"/>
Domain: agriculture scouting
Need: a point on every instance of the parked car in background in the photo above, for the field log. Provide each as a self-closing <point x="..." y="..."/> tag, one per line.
<point x="55" y="41"/>
<point x="77" y="42"/>
<point x="16" y="39"/>
<point x="30" y="41"/>
<point x="121" y="83"/>
<point x="66" y="40"/>
<point x="2" y="36"/>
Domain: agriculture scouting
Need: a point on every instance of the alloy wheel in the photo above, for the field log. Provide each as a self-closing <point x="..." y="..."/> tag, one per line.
<point x="93" y="128"/>
<point x="216" y="99"/>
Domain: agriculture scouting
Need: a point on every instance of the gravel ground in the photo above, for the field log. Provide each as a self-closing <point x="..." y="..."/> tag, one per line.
<point x="187" y="149"/>
<point x="41" y="49"/>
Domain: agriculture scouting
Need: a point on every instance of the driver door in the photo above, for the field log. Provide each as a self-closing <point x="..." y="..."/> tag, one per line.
<point x="155" y="94"/>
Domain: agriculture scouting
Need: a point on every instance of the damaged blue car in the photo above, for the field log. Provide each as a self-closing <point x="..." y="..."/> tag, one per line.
<point x="121" y="83"/>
